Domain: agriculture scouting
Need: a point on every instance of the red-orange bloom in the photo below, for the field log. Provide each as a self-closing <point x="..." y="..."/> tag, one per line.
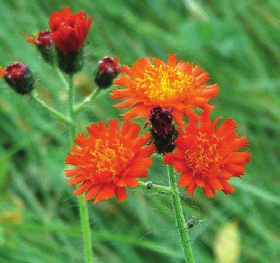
<point x="69" y="30"/>
<point x="151" y="82"/>
<point x="109" y="160"/>
<point x="208" y="156"/>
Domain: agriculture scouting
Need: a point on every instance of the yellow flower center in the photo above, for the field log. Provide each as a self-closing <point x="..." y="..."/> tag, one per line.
<point x="164" y="84"/>
<point x="204" y="156"/>
<point x="109" y="158"/>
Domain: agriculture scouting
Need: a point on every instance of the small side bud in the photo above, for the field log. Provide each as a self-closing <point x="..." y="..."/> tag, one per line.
<point x="19" y="77"/>
<point x="107" y="70"/>
<point x="45" y="44"/>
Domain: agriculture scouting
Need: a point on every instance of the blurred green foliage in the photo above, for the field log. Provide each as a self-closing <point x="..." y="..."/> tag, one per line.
<point x="237" y="42"/>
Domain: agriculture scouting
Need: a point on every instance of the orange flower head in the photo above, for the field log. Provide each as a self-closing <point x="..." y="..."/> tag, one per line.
<point x="207" y="156"/>
<point x="109" y="160"/>
<point x="69" y="30"/>
<point x="151" y="82"/>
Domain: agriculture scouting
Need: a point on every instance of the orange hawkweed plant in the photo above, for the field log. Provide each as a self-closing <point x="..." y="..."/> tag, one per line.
<point x="151" y="82"/>
<point x="208" y="156"/>
<point x="109" y="160"/>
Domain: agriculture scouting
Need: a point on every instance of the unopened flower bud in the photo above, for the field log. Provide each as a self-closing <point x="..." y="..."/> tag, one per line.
<point x="164" y="143"/>
<point x="161" y="120"/>
<point x="69" y="34"/>
<point x="163" y="132"/>
<point x="19" y="77"/>
<point x="107" y="70"/>
<point x="45" y="44"/>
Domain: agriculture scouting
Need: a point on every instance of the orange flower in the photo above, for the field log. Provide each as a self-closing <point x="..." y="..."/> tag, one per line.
<point x="109" y="160"/>
<point x="152" y="82"/>
<point x="69" y="30"/>
<point x="208" y="157"/>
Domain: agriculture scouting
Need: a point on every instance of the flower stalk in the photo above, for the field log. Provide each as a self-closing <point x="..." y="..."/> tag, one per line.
<point x="87" y="100"/>
<point x="71" y="104"/>
<point x="83" y="210"/>
<point x="57" y="115"/>
<point x="179" y="216"/>
<point x="156" y="187"/>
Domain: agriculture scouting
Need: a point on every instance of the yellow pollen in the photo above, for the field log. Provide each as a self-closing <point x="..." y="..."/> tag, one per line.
<point x="165" y="84"/>
<point x="109" y="157"/>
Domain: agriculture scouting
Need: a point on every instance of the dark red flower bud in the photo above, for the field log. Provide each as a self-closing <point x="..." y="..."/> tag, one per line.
<point x="163" y="132"/>
<point x="45" y="44"/>
<point x="164" y="143"/>
<point x="161" y="120"/>
<point x="19" y="77"/>
<point x="108" y="69"/>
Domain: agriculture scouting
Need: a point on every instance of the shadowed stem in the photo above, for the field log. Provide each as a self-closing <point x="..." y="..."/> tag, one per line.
<point x="179" y="216"/>
<point x="85" y="226"/>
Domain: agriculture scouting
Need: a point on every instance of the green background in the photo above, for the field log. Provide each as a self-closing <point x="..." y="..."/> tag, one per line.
<point x="237" y="42"/>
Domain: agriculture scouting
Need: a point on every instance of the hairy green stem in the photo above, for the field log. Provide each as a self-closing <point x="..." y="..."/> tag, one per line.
<point x="52" y="111"/>
<point x="61" y="76"/>
<point x="179" y="216"/>
<point x="87" y="100"/>
<point x="85" y="226"/>
<point x="156" y="187"/>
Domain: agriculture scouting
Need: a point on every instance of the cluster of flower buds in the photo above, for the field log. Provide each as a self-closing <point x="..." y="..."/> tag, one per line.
<point x="61" y="45"/>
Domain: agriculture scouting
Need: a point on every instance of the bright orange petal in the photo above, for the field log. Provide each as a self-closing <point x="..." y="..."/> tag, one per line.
<point x="185" y="179"/>
<point x="227" y="188"/>
<point x="93" y="191"/>
<point x="190" y="188"/>
<point x="106" y="192"/>
<point x="2" y="72"/>
<point x="82" y="188"/>
<point x="209" y="191"/>
<point x="215" y="183"/>
<point x="128" y="181"/>
<point x="121" y="193"/>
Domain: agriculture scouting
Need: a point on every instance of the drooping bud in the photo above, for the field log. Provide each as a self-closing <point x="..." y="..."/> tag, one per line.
<point x="163" y="132"/>
<point x="19" y="77"/>
<point x="45" y="44"/>
<point x="107" y="70"/>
